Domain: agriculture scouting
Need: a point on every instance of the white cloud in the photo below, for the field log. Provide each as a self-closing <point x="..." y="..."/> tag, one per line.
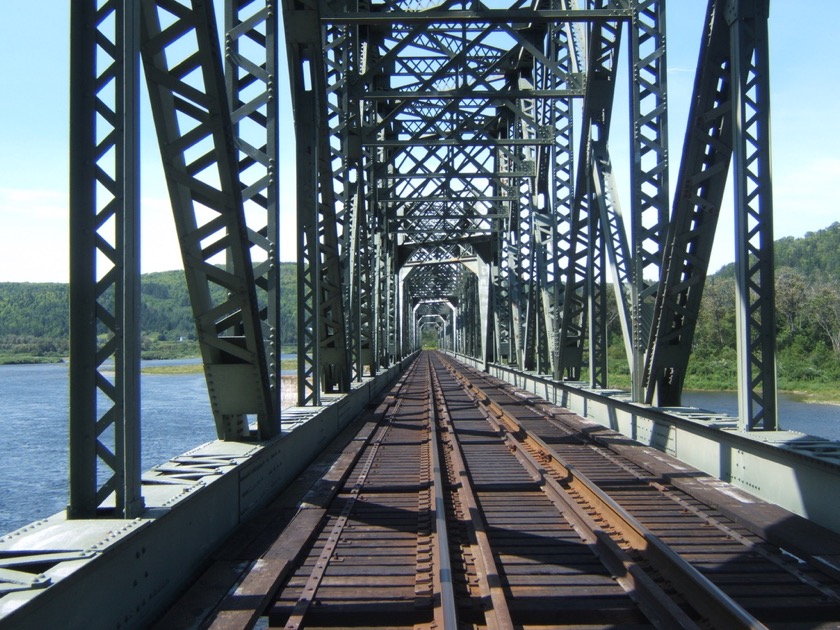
<point x="34" y="238"/>
<point x="159" y="248"/>
<point x="288" y="221"/>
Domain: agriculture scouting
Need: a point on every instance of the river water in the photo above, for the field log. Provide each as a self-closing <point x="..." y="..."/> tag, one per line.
<point x="34" y="468"/>
<point x="811" y="418"/>
<point x="176" y="417"/>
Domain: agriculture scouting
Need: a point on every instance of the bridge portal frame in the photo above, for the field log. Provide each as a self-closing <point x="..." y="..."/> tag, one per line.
<point x="553" y="240"/>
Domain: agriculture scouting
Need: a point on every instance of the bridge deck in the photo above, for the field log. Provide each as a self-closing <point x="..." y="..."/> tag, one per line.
<point x="459" y="498"/>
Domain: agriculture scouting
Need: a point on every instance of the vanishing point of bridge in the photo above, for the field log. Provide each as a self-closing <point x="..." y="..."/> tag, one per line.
<point x="455" y="185"/>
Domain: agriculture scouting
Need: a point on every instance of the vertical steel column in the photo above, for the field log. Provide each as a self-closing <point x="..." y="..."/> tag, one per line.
<point x="596" y="293"/>
<point x="315" y="67"/>
<point x="561" y="184"/>
<point x="649" y="172"/>
<point x="359" y="161"/>
<point x="388" y="269"/>
<point x="525" y="129"/>
<point x="308" y="277"/>
<point x="606" y="197"/>
<point x="341" y="124"/>
<point x="753" y="215"/>
<point x="505" y="313"/>
<point x="251" y="76"/>
<point x="505" y="349"/>
<point x="104" y="263"/>
<point x="363" y="270"/>
<point x="601" y="67"/>
<point x="385" y="275"/>
<point x="704" y="168"/>
<point x="510" y="277"/>
<point x="479" y="291"/>
<point x="129" y="235"/>
<point x="323" y="358"/>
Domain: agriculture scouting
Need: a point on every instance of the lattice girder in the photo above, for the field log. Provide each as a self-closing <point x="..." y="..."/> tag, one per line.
<point x="104" y="264"/>
<point x="193" y="120"/>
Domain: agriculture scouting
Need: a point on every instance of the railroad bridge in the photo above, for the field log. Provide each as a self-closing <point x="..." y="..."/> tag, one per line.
<point x="454" y="188"/>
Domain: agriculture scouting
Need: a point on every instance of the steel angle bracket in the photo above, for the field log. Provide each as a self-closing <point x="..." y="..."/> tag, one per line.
<point x="13" y="579"/>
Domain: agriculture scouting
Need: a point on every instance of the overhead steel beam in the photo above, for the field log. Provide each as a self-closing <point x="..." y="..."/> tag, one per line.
<point x="535" y="93"/>
<point x="487" y="16"/>
<point x="454" y="142"/>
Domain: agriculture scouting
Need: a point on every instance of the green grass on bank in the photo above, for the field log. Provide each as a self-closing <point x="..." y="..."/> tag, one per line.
<point x="721" y="375"/>
<point x="23" y="359"/>
<point x="195" y="368"/>
<point x="181" y="368"/>
<point x="706" y="378"/>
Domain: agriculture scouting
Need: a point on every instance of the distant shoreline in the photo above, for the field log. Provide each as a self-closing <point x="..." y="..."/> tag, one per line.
<point x="816" y="396"/>
<point x="27" y="360"/>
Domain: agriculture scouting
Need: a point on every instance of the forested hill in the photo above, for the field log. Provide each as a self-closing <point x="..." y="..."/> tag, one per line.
<point x="807" y="319"/>
<point x="34" y="317"/>
<point x="816" y="255"/>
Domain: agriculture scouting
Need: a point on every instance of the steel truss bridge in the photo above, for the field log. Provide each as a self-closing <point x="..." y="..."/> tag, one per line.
<point x="453" y="175"/>
<point x="454" y="180"/>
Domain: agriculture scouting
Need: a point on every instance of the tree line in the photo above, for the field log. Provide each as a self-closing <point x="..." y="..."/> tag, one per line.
<point x="807" y="331"/>
<point x="35" y="322"/>
<point x="34" y="318"/>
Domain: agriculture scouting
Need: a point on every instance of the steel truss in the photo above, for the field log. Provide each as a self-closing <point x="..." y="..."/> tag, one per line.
<point x="219" y="152"/>
<point x="251" y="57"/>
<point x="194" y="124"/>
<point x="456" y="127"/>
<point x="104" y="265"/>
<point x="439" y="185"/>
<point x="461" y="119"/>
<point x="728" y="117"/>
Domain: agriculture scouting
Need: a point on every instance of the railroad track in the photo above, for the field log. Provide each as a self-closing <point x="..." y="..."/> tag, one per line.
<point x="469" y="506"/>
<point x="764" y="581"/>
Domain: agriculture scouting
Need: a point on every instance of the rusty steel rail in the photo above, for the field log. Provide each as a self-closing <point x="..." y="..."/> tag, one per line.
<point x="652" y="599"/>
<point x="790" y="584"/>
<point x="497" y="614"/>
<point x="374" y="559"/>
<point x="704" y="596"/>
<point x="457" y="512"/>
<point x="446" y="615"/>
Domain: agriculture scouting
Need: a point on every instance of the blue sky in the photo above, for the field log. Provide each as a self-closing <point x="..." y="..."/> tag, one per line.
<point x="34" y="136"/>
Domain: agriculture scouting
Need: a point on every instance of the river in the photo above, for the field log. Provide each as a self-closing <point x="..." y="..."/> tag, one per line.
<point x="812" y="418"/>
<point x="176" y="417"/>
